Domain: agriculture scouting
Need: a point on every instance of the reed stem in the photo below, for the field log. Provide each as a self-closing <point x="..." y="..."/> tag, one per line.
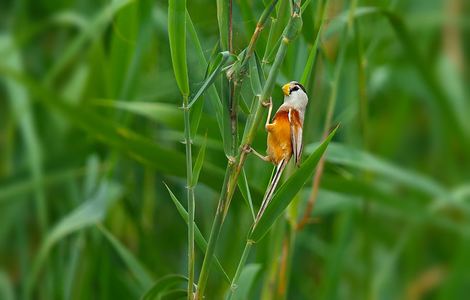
<point x="241" y="264"/>
<point x="189" y="195"/>
<point x="235" y="164"/>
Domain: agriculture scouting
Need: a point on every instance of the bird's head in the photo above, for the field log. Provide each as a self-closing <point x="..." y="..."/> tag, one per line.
<point x="295" y="94"/>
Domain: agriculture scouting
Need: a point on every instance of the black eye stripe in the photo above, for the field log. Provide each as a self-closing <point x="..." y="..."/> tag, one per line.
<point x="295" y="88"/>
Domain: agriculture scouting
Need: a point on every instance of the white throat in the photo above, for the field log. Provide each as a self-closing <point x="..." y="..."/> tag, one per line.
<point x="297" y="100"/>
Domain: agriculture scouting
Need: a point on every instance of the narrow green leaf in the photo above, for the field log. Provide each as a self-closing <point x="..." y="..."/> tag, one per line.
<point x="342" y="20"/>
<point x="311" y="58"/>
<point x="177" y="37"/>
<point x="22" y="109"/>
<point x="245" y="191"/>
<point x="288" y="190"/>
<point x="120" y="138"/>
<point x="223" y="21"/>
<point x="94" y="28"/>
<point x="219" y="62"/>
<point x="351" y="157"/>
<point x="162" y="285"/>
<point x="87" y="214"/>
<point x="10" y="192"/>
<point x="243" y="105"/>
<point x="245" y="283"/>
<point x="143" y="277"/>
<point x="168" y="115"/>
<point x="199" y="162"/>
<point x="277" y="26"/>
<point x="256" y="75"/>
<point x="174" y="294"/>
<point x="195" y="116"/>
<point x="200" y="240"/>
<point x="212" y="91"/>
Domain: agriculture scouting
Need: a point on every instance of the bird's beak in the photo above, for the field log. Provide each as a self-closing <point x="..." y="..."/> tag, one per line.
<point x="286" y="89"/>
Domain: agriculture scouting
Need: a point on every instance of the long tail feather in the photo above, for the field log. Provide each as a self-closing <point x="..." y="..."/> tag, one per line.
<point x="271" y="188"/>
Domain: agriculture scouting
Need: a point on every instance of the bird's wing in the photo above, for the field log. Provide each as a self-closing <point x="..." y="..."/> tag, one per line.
<point x="295" y="135"/>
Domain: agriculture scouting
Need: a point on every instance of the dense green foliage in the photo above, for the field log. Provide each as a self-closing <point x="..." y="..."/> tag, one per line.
<point x="94" y="185"/>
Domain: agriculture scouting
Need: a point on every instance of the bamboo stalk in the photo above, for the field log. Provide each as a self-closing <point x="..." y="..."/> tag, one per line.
<point x="177" y="37"/>
<point x="190" y="196"/>
<point x="290" y="33"/>
<point x="235" y="164"/>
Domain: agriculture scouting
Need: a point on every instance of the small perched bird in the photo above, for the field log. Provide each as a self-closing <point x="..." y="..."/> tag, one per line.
<point x="284" y="135"/>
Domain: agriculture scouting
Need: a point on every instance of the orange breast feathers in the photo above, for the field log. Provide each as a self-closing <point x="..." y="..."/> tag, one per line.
<point x="279" y="135"/>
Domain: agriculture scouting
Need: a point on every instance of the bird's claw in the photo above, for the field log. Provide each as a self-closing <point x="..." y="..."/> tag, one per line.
<point x="247" y="148"/>
<point x="267" y="103"/>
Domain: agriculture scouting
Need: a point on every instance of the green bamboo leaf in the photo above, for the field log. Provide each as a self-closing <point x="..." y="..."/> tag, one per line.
<point x="256" y="75"/>
<point x="222" y="19"/>
<point x="120" y="138"/>
<point x="245" y="283"/>
<point x="174" y="294"/>
<point x="141" y="274"/>
<point x="89" y="213"/>
<point x="342" y="20"/>
<point x="218" y="63"/>
<point x="195" y="116"/>
<point x="243" y="105"/>
<point x="305" y="5"/>
<point x="211" y="92"/>
<point x="200" y="240"/>
<point x="162" y="285"/>
<point x="21" y="106"/>
<point x="12" y="191"/>
<point x="94" y="28"/>
<point x="177" y="37"/>
<point x="162" y="113"/>
<point x="199" y="162"/>
<point x="245" y="191"/>
<point x="277" y="26"/>
<point x="168" y="115"/>
<point x="351" y="157"/>
<point x="288" y="190"/>
<point x="311" y="58"/>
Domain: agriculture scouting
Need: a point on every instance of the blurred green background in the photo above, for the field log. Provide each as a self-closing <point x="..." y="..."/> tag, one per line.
<point x="90" y="129"/>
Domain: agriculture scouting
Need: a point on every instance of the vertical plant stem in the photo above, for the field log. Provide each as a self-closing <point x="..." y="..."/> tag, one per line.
<point x="235" y="164"/>
<point x="238" y="73"/>
<point x="290" y="33"/>
<point x="190" y="196"/>
<point x="177" y="38"/>
<point x="241" y="264"/>
<point x="213" y="237"/>
<point x="367" y="175"/>
<point x="230" y="26"/>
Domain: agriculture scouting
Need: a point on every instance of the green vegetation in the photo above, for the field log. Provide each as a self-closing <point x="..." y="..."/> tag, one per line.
<point x="124" y="165"/>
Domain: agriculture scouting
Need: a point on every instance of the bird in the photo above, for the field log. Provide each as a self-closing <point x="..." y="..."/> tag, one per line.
<point x="284" y="136"/>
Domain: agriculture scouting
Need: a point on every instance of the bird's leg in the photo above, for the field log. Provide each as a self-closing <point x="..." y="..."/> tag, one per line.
<point x="268" y="104"/>
<point x="250" y="149"/>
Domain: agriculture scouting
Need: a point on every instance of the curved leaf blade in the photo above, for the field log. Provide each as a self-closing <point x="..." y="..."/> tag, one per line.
<point x="177" y="37"/>
<point x="246" y="281"/>
<point x="200" y="240"/>
<point x="288" y="190"/>
<point x="139" y="271"/>
<point x="199" y="162"/>
<point x="163" y="285"/>
<point x="220" y="61"/>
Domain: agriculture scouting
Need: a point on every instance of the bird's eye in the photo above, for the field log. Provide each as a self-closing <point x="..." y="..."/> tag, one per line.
<point x="295" y="88"/>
